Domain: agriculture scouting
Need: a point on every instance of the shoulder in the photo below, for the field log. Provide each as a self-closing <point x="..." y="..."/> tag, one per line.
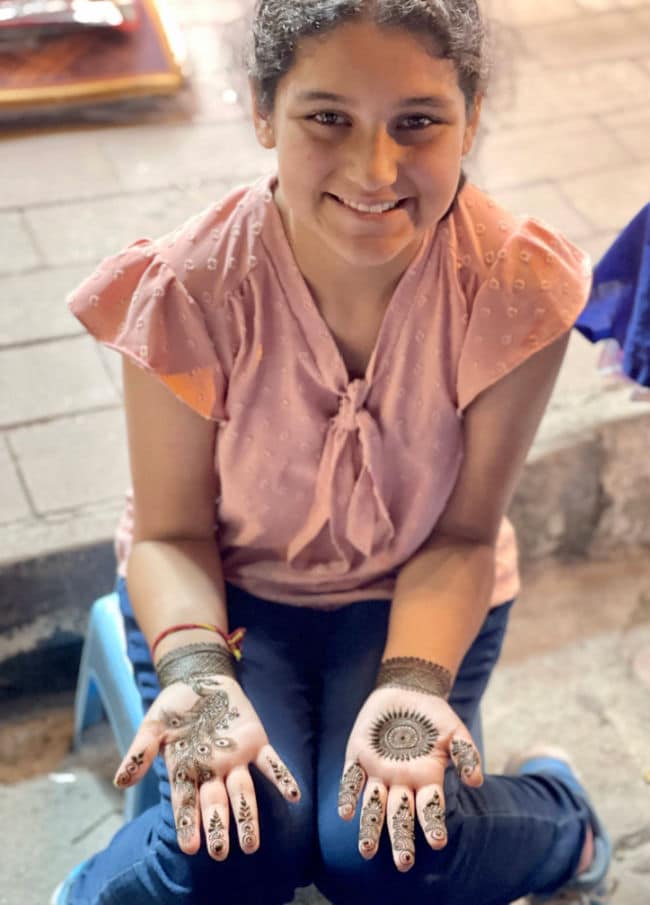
<point x="214" y="252"/>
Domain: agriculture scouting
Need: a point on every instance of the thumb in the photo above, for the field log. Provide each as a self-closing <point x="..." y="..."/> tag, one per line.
<point x="466" y="758"/>
<point x="139" y="757"/>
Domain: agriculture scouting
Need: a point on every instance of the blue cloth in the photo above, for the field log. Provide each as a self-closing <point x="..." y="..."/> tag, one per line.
<point x="307" y="672"/>
<point x="619" y="304"/>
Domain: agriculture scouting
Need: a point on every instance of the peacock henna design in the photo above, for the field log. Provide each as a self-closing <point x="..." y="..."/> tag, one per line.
<point x="284" y="779"/>
<point x="416" y="674"/>
<point x="186" y="822"/>
<point x="129" y="770"/>
<point x="371" y="821"/>
<point x="403" y="735"/>
<point x="404" y="834"/>
<point x="434" y="819"/>
<point x="465" y="757"/>
<point x="349" y="790"/>
<point x="246" y="824"/>
<point x="216" y="835"/>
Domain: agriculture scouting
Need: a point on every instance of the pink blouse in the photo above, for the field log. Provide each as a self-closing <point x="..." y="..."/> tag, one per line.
<point x="328" y="485"/>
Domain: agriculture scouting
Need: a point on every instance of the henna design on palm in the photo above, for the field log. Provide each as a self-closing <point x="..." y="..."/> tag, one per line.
<point x="370" y="828"/>
<point x="197" y="734"/>
<point x="216" y="834"/>
<point x="404" y="834"/>
<point x="416" y="674"/>
<point x="350" y="787"/>
<point x="246" y="824"/>
<point x="434" y="818"/>
<point x="465" y="757"/>
<point x="125" y="776"/>
<point x="284" y="778"/>
<point x="403" y="735"/>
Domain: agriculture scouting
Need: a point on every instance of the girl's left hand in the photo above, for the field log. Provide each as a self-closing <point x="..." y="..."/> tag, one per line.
<point x="399" y="746"/>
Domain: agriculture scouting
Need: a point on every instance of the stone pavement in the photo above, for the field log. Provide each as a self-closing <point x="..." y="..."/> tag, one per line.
<point x="567" y="138"/>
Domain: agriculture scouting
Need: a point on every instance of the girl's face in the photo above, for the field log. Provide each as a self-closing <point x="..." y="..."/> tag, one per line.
<point x="366" y="117"/>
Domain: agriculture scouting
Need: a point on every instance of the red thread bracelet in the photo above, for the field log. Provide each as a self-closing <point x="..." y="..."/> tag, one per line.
<point x="233" y="639"/>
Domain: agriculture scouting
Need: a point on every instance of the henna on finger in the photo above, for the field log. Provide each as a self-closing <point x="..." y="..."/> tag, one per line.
<point x="185" y="814"/>
<point x="403" y="735"/>
<point x="434" y="818"/>
<point x="403" y="839"/>
<point x="283" y="777"/>
<point x="465" y="757"/>
<point x="416" y="674"/>
<point x="129" y="769"/>
<point x="216" y="835"/>
<point x="349" y="790"/>
<point x="246" y="824"/>
<point x="371" y="821"/>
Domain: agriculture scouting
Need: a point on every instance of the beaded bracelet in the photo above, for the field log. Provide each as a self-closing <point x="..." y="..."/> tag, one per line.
<point x="233" y="639"/>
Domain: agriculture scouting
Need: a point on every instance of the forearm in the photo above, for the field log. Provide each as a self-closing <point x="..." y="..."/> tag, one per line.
<point x="441" y="599"/>
<point x="173" y="582"/>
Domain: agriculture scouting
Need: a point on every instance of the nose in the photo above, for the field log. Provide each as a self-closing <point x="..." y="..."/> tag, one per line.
<point x="374" y="161"/>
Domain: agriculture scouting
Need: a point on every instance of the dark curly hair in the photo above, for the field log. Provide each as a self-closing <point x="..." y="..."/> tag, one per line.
<point x="451" y="29"/>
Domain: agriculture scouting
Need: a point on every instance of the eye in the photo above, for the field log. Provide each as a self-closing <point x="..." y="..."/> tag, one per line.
<point x="327" y="118"/>
<point x="419" y="121"/>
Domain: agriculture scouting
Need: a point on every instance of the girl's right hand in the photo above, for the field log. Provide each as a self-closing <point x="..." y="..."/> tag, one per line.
<point x="208" y="733"/>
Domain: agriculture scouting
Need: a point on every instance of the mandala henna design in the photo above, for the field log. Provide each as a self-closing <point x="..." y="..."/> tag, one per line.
<point x="351" y="785"/>
<point x="187" y="663"/>
<point x="246" y="825"/>
<point x="403" y="735"/>
<point x="284" y="779"/>
<point x="415" y="674"/>
<point x="465" y="757"/>
<point x="404" y="834"/>
<point x="370" y="828"/>
<point x="434" y="819"/>
<point x="129" y="770"/>
<point x="216" y="834"/>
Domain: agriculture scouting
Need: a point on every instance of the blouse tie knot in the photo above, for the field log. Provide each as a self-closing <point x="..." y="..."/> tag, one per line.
<point x="350" y="404"/>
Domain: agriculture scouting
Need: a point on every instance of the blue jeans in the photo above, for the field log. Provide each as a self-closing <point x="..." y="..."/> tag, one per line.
<point x="307" y="673"/>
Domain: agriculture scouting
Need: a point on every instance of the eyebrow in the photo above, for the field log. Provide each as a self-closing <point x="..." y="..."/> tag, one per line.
<point x="430" y="100"/>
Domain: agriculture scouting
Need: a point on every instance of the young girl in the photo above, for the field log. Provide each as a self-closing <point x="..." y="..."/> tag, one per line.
<point x="332" y="379"/>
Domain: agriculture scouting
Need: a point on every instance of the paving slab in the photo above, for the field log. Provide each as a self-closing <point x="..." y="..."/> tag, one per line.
<point x="52" y="379"/>
<point x="610" y="197"/>
<point x="14" y="504"/>
<point x="33" y="305"/>
<point x="86" y="458"/>
<point x="18" y="249"/>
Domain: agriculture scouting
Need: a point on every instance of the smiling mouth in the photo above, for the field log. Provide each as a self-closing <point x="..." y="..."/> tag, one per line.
<point x="369" y="210"/>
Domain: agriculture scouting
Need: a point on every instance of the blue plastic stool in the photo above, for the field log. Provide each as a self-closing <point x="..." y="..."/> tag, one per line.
<point x="106" y="685"/>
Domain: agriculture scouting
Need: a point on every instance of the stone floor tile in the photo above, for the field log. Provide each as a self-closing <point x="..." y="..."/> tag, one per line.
<point x="89" y="231"/>
<point x="34" y="305"/>
<point x="75" y="167"/>
<point x="613" y="35"/>
<point x="632" y="129"/>
<point x="536" y="152"/>
<point x="597" y="244"/>
<point x="545" y="202"/>
<point x="52" y="379"/>
<point x="159" y="156"/>
<point x="18" y="249"/>
<point x="610" y="198"/>
<point x="537" y="94"/>
<point x="13" y="502"/>
<point x="71" y="462"/>
<point x="521" y="14"/>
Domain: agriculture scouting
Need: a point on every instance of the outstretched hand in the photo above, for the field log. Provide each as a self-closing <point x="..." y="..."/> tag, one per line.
<point x="398" y="749"/>
<point x="209" y="733"/>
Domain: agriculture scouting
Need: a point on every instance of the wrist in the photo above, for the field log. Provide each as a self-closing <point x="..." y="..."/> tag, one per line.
<point x="415" y="674"/>
<point x="188" y="663"/>
<point x="179" y="640"/>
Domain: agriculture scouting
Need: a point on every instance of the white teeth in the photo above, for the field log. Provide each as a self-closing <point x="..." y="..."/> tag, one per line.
<point x="370" y="209"/>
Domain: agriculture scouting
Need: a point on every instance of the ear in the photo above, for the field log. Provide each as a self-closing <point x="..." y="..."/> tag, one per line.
<point x="473" y="120"/>
<point x="262" y="122"/>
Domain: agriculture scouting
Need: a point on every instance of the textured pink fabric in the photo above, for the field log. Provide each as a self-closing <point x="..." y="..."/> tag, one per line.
<point x="326" y="485"/>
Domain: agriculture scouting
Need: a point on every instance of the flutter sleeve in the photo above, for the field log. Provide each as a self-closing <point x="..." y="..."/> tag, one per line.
<point x="136" y="303"/>
<point x="531" y="292"/>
